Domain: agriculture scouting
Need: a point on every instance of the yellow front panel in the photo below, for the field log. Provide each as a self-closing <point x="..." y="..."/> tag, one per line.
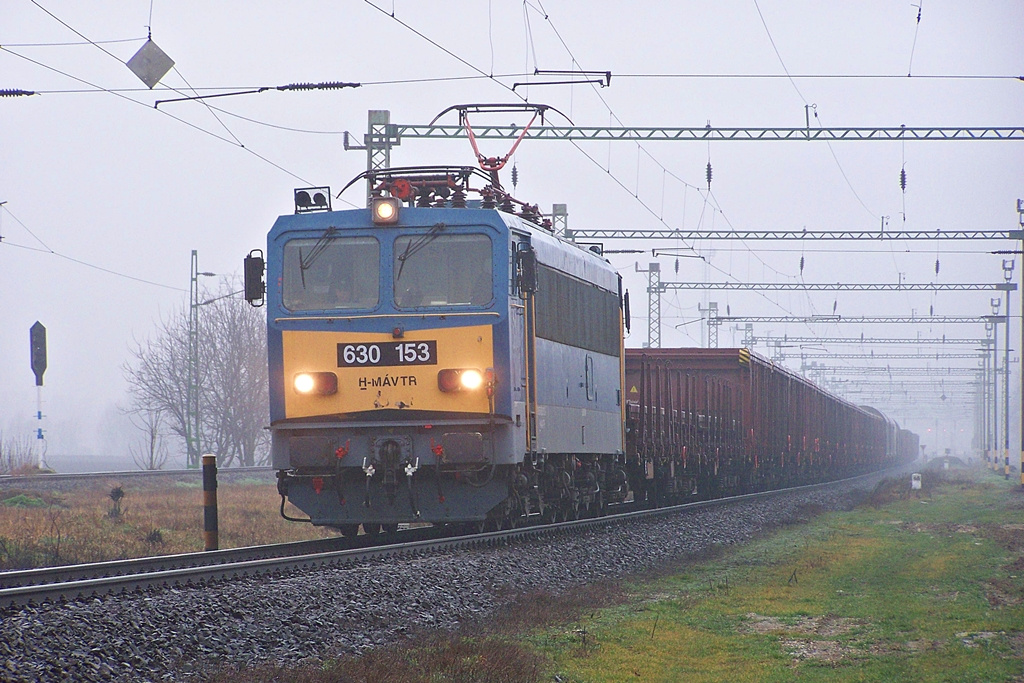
<point x="392" y="387"/>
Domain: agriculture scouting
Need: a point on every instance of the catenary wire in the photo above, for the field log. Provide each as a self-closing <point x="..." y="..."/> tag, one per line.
<point x="235" y="142"/>
<point x="48" y="250"/>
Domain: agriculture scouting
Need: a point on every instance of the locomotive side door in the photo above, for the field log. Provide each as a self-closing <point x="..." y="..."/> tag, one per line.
<point x="523" y="333"/>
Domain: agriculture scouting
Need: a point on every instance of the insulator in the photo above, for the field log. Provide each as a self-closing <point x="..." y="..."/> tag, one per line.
<point x="677" y="266"/>
<point x="15" y="93"/>
<point x="515" y="176"/>
<point x="903" y="179"/>
<point x="801" y="265"/>
<point x="709" y="175"/>
<point x="936" y="266"/>
<point x="931" y="310"/>
<point x="329" y="85"/>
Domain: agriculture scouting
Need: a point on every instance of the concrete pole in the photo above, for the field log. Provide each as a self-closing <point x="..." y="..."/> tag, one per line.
<point x="1020" y="219"/>
<point x="1006" y="380"/>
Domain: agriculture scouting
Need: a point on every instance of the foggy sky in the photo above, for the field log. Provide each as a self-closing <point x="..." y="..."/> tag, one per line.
<point x="96" y="181"/>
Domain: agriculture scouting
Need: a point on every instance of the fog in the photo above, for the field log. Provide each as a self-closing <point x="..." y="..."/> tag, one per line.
<point x="106" y="195"/>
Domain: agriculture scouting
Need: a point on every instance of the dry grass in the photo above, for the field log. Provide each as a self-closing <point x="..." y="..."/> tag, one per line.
<point x="47" y="528"/>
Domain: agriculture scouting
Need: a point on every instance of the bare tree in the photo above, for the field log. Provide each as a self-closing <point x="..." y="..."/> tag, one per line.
<point x="149" y="452"/>
<point x="157" y="374"/>
<point x="233" y="353"/>
<point x="232" y="376"/>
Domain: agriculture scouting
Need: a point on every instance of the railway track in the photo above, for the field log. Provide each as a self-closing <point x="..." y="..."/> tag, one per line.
<point x="36" y="586"/>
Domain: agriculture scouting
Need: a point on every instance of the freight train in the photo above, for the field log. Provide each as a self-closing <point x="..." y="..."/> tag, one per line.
<point x="708" y="422"/>
<point x="442" y="356"/>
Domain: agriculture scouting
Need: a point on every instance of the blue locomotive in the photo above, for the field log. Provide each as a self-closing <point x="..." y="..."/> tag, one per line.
<point x="440" y="356"/>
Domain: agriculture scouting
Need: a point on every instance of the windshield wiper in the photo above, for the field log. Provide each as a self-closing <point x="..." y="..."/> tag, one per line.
<point x="306" y="262"/>
<point x="417" y="244"/>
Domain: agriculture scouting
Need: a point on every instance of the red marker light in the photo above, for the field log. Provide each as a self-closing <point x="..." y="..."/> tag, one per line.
<point x="342" y="451"/>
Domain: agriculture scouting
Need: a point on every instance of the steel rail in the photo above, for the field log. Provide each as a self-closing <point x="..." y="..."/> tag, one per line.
<point x="141" y="565"/>
<point x="72" y="589"/>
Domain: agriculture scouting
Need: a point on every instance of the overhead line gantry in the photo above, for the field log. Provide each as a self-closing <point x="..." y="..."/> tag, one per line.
<point x="921" y="341"/>
<point x="897" y="356"/>
<point x="397" y="131"/>
<point x="856" y="319"/>
<point x="842" y="286"/>
<point x="937" y="373"/>
<point x="793" y="235"/>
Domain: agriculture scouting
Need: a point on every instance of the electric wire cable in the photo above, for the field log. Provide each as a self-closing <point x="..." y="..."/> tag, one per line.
<point x="47" y="250"/>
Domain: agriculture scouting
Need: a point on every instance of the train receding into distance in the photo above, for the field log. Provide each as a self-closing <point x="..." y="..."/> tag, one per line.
<point x="443" y="356"/>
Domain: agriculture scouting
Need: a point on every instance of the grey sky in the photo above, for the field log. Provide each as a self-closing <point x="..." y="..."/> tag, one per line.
<point x="107" y="180"/>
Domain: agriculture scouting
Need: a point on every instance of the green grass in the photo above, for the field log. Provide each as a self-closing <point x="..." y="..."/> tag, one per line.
<point x="919" y="589"/>
<point x="22" y="501"/>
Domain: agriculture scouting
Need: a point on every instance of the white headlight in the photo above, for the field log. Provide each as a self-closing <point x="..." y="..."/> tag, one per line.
<point x="304" y="383"/>
<point x="471" y="379"/>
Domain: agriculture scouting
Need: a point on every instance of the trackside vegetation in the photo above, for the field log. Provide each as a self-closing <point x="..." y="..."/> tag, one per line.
<point x="112" y="520"/>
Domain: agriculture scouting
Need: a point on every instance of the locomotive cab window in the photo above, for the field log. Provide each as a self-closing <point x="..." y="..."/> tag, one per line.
<point x="328" y="274"/>
<point x="442" y="270"/>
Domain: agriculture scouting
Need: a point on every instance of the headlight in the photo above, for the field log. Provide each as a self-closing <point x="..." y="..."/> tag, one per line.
<point x="471" y="379"/>
<point x="323" y="383"/>
<point x="459" y="379"/>
<point x="385" y="210"/>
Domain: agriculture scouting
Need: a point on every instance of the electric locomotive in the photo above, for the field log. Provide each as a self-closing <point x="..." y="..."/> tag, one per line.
<point x="441" y="358"/>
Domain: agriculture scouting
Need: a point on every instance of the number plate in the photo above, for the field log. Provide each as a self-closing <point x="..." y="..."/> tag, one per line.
<point x="379" y="354"/>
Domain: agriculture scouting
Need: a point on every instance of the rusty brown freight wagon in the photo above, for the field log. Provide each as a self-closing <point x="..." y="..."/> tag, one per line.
<point x="703" y="423"/>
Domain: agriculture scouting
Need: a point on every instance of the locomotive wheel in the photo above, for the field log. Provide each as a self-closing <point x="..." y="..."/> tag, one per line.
<point x="349" y="530"/>
<point x="371" y="528"/>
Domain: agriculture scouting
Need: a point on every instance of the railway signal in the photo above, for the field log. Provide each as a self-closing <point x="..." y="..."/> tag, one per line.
<point x="37" y="352"/>
<point x="37" y="346"/>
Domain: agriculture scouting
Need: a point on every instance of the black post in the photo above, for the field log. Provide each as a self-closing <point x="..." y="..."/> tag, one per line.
<point x="210" y="502"/>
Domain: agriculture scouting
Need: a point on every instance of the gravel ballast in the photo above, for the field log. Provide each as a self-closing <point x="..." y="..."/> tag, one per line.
<point x="173" y="634"/>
